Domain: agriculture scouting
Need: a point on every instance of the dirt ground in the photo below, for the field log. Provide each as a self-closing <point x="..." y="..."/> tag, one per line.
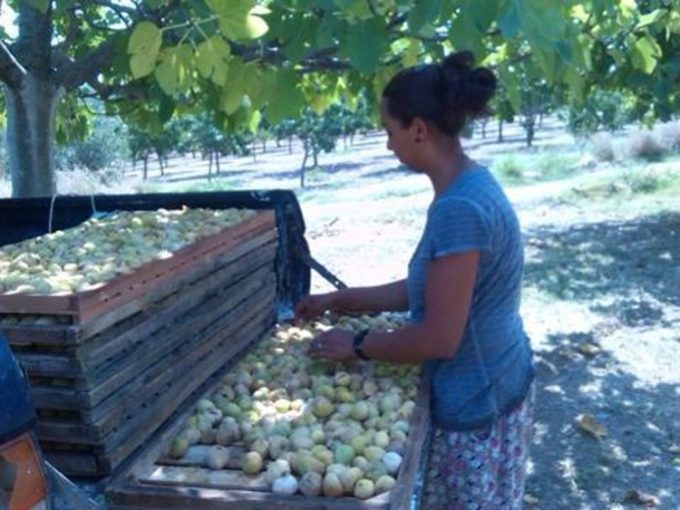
<point x="601" y="304"/>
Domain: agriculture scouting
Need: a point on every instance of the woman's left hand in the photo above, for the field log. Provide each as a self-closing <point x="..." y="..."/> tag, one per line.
<point x="335" y="344"/>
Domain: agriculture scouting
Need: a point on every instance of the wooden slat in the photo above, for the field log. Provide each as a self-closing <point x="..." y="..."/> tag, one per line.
<point x="201" y="322"/>
<point x="96" y="361"/>
<point x="129" y="286"/>
<point x="46" y="397"/>
<point x="103" y="419"/>
<point x="400" y="495"/>
<point x="95" y="354"/>
<point x="138" y="428"/>
<point x="189" y="276"/>
<point x="65" y="334"/>
<point x="152" y="497"/>
<point x="74" y="463"/>
<point x="85" y="306"/>
<point x="29" y="334"/>
<point x="229" y="346"/>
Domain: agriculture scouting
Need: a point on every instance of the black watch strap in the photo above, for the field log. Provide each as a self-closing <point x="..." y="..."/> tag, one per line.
<point x="358" y="339"/>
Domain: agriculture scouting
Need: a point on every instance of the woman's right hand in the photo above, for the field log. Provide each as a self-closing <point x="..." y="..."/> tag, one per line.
<point x="312" y="306"/>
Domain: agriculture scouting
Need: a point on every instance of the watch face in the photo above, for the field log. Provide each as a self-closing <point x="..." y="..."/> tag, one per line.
<point x="358" y="339"/>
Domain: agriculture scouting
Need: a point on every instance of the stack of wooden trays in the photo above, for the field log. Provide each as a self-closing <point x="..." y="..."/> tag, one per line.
<point x="110" y="365"/>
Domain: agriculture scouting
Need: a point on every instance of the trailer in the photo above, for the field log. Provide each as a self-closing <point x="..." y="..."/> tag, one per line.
<point x="116" y="370"/>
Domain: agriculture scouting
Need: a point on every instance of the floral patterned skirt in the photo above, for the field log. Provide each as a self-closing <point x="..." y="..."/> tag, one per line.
<point x="481" y="469"/>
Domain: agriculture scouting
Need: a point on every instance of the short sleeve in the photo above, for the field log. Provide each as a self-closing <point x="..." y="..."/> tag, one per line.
<point x="457" y="225"/>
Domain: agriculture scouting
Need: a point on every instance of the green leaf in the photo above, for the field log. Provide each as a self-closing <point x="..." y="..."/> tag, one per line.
<point x="219" y="76"/>
<point x="297" y="33"/>
<point x="239" y="19"/>
<point x="563" y="49"/>
<point x="646" y="53"/>
<point x="424" y="12"/>
<point x="484" y="13"/>
<point x="253" y="85"/>
<point x="145" y="38"/>
<point x="542" y="22"/>
<point x="576" y="84"/>
<point x="326" y="32"/>
<point x="144" y="45"/>
<point x="41" y="5"/>
<point x="512" y="87"/>
<point x="548" y="62"/>
<point x="166" y="74"/>
<point x="509" y="21"/>
<point x="364" y="44"/>
<point x="222" y="7"/>
<point x="142" y="65"/>
<point x="286" y="100"/>
<point x="254" y="121"/>
<point x="358" y="9"/>
<point x="166" y="109"/>
<point x="185" y="64"/>
<point x="651" y="18"/>
<point x="234" y="88"/>
<point x="465" y="32"/>
<point x="210" y="54"/>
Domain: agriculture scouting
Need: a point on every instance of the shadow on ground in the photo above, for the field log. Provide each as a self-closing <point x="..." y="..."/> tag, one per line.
<point x="574" y="470"/>
<point x="628" y="272"/>
<point x="621" y="258"/>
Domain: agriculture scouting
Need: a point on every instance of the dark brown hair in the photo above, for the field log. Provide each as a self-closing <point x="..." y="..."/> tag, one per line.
<point x="446" y="94"/>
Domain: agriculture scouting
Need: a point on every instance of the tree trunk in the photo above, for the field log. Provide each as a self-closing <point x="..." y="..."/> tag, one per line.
<point x="530" y="127"/>
<point x="304" y="164"/>
<point x="31" y="112"/>
<point x="500" y="130"/>
<point x="217" y="163"/>
<point x="146" y="166"/>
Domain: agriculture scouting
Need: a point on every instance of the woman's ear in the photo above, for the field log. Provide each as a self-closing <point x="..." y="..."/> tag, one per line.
<point x="419" y="129"/>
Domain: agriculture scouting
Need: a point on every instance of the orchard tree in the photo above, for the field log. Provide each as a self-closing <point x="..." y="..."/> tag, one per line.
<point x="150" y="60"/>
<point x="317" y="133"/>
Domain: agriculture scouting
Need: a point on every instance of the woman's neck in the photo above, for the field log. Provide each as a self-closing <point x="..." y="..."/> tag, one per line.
<point x="447" y="164"/>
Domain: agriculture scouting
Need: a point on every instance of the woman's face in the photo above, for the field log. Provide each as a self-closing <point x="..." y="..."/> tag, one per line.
<point x="400" y="139"/>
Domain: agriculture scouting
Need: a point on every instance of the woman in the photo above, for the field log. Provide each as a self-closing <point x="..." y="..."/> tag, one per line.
<point x="462" y="291"/>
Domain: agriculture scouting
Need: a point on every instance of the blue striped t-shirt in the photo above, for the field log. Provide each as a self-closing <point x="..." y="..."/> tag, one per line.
<point x="493" y="369"/>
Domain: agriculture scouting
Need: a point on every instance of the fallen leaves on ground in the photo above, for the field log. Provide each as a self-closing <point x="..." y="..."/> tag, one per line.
<point x="587" y="423"/>
<point x="531" y="500"/>
<point x="589" y="349"/>
<point x="641" y="498"/>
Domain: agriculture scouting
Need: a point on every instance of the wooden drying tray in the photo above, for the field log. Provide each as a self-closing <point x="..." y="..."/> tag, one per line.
<point x="151" y="482"/>
<point x="82" y="307"/>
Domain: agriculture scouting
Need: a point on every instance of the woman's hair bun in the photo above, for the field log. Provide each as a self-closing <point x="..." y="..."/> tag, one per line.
<point x="459" y="62"/>
<point x="466" y="88"/>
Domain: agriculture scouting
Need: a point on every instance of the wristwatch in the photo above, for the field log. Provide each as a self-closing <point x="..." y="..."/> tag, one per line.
<point x="358" y="339"/>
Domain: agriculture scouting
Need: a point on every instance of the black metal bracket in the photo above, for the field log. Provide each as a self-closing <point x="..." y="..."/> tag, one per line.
<point x="305" y="257"/>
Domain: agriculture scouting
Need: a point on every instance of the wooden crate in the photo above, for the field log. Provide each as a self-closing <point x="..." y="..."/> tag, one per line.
<point x="147" y="483"/>
<point x="157" y="406"/>
<point x="91" y="372"/>
<point x="110" y="365"/>
<point x="145" y="282"/>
